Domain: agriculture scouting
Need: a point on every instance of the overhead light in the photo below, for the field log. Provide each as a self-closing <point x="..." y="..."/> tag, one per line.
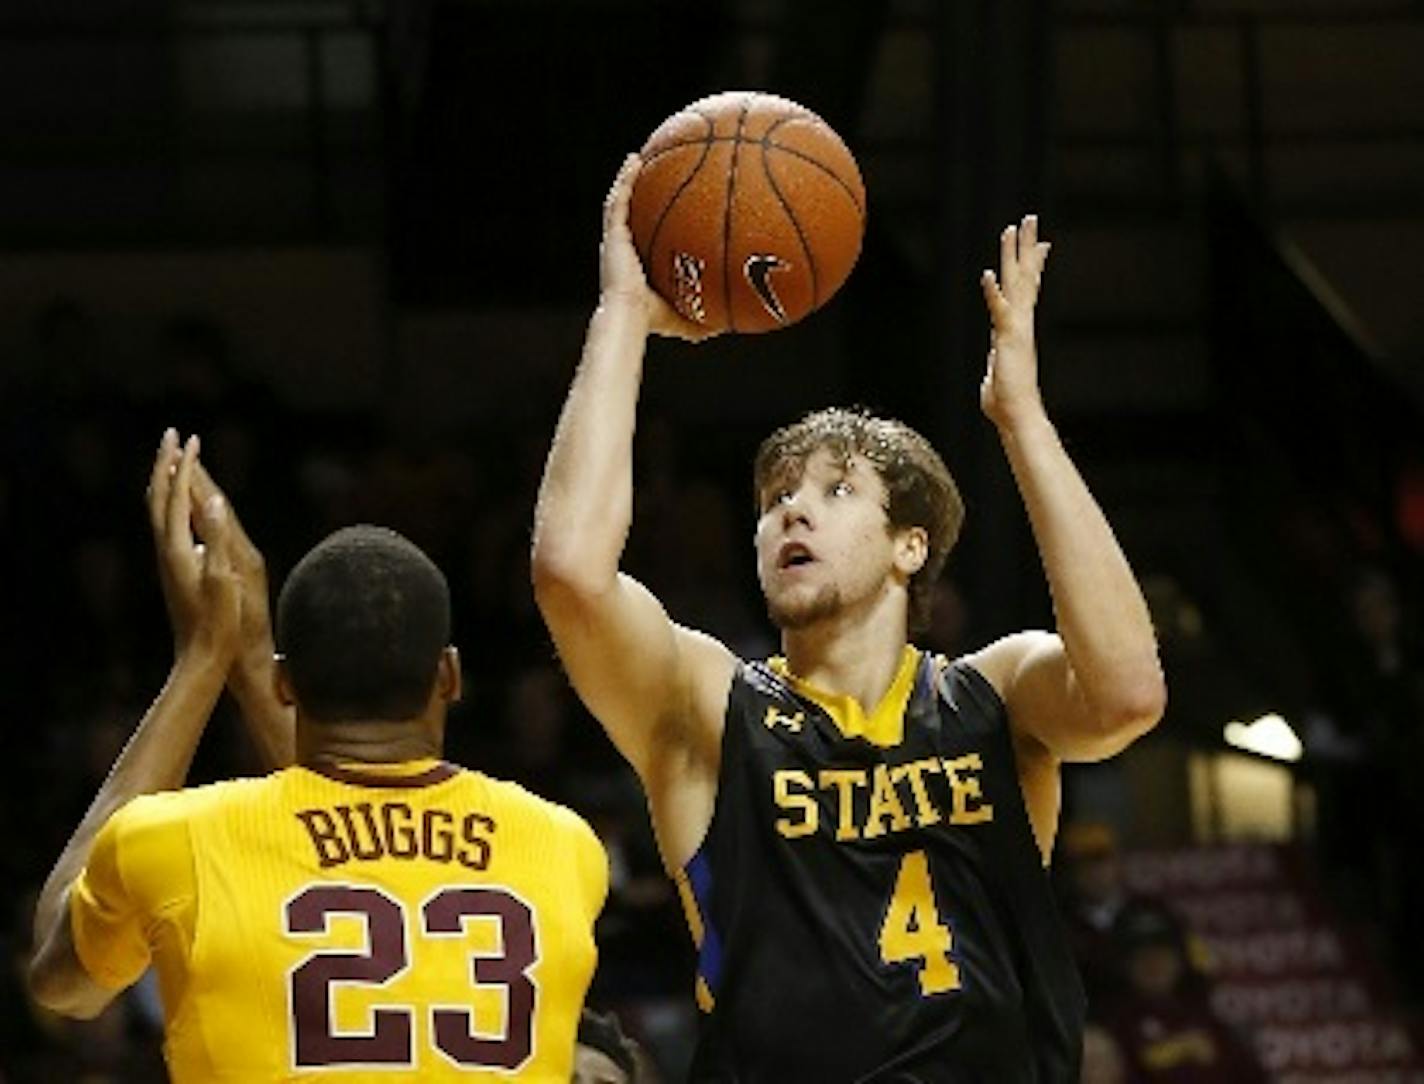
<point x="1269" y="736"/>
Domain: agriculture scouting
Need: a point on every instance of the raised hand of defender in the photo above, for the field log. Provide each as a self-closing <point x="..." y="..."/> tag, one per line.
<point x="249" y="566"/>
<point x="1010" y="387"/>
<point x="621" y="272"/>
<point x="191" y="537"/>
<point x="251" y="680"/>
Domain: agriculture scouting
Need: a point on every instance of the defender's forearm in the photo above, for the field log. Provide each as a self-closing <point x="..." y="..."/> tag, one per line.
<point x="269" y="723"/>
<point x="156" y="758"/>
<point x="1101" y="614"/>
<point x="586" y="500"/>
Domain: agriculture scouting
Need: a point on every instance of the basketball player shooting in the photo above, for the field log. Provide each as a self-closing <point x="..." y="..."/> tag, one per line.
<point x="859" y="829"/>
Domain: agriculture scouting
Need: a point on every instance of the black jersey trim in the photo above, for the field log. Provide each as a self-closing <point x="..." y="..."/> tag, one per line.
<point x="974" y="685"/>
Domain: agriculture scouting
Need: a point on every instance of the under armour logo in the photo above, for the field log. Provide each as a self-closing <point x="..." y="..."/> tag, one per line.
<point x="758" y="270"/>
<point x="790" y="722"/>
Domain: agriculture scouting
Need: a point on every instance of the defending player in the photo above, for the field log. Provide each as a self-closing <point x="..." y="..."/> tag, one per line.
<point x="370" y="914"/>
<point x="859" y="829"/>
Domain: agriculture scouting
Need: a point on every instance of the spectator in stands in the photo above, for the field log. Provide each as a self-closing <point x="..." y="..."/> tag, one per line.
<point x="1387" y="810"/>
<point x="1387" y="657"/>
<point x="1163" y="1021"/>
<point x="1102" y="1058"/>
<point x="536" y="723"/>
<point x="1095" y="894"/>
<point x="644" y="948"/>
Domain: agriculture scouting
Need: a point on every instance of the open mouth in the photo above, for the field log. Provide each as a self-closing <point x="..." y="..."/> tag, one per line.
<point x="794" y="555"/>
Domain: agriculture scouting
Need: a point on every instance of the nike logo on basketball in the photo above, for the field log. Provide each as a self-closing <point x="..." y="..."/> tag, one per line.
<point x="758" y="270"/>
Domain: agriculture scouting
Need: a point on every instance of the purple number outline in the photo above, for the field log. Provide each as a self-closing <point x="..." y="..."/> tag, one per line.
<point x="453" y="1027"/>
<point x="443" y="915"/>
<point x="313" y="1042"/>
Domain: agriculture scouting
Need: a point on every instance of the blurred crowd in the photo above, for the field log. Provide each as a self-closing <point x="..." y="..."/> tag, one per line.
<point x="1147" y="977"/>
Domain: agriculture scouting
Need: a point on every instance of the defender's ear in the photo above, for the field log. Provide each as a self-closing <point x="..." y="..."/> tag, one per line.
<point x="449" y="678"/>
<point x="282" y="682"/>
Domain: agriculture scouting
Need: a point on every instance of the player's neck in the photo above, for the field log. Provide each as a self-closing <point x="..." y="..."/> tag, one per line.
<point x="376" y="742"/>
<point x="851" y="654"/>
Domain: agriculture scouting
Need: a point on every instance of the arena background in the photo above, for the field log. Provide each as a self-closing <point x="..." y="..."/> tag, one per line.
<point x="353" y="245"/>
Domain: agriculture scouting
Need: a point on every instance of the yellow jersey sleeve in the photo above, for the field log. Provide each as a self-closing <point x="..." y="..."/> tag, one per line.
<point x="139" y="872"/>
<point x="591" y="860"/>
<point x="107" y="930"/>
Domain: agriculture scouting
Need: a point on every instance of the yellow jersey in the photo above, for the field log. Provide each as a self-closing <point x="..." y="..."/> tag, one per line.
<point x="380" y="923"/>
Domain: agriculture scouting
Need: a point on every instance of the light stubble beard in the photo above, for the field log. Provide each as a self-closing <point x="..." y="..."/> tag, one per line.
<point x="826" y="602"/>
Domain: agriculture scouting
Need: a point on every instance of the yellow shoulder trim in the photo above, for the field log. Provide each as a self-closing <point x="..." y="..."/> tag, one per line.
<point x="689" y="907"/>
<point x="705" y="1001"/>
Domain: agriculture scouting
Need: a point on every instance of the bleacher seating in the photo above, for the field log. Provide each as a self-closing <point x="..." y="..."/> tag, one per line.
<point x="1286" y="969"/>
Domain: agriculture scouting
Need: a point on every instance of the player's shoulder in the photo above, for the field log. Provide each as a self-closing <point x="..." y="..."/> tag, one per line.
<point x="972" y="686"/>
<point x="522" y="801"/>
<point x="564" y="831"/>
<point x="1002" y="662"/>
<point x="171" y="807"/>
<point x="151" y="837"/>
<point x="767" y="678"/>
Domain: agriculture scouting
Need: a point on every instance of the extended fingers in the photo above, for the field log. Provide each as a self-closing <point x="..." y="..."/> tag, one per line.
<point x="1028" y="234"/>
<point x="993" y="295"/>
<point x="160" y="481"/>
<point x="179" y="530"/>
<point x="213" y="527"/>
<point x="245" y="555"/>
<point x="615" y="207"/>
<point x="221" y="583"/>
<point x="1021" y="254"/>
<point x="204" y="487"/>
<point x="1009" y="253"/>
<point x="1033" y="253"/>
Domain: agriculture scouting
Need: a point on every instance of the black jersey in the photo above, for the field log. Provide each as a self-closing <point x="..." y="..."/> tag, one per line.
<point x="873" y="909"/>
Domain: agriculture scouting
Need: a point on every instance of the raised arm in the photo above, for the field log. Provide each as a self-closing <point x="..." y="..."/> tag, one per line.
<point x="203" y="600"/>
<point x="658" y="689"/>
<point x="252" y="681"/>
<point x="1089" y="690"/>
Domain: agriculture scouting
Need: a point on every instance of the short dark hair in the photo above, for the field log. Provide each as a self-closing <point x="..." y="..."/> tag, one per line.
<point x="922" y="493"/>
<point x="362" y="621"/>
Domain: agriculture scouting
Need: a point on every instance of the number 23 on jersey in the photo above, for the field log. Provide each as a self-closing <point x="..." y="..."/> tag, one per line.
<point x="388" y="929"/>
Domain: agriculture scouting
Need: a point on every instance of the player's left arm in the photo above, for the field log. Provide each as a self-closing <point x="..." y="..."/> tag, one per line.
<point x="252" y="681"/>
<point x="204" y="601"/>
<point x="1088" y="690"/>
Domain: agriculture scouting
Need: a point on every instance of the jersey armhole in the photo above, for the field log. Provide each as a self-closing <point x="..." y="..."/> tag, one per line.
<point x="741" y="670"/>
<point x="977" y="687"/>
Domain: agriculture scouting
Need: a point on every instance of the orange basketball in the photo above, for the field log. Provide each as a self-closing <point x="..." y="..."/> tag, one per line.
<point x="748" y="213"/>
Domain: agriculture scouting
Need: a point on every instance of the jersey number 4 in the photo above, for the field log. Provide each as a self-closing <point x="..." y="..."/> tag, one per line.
<point x="389" y="1041"/>
<point x="912" y="930"/>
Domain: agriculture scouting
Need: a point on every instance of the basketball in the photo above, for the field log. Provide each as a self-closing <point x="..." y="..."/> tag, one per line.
<point x="748" y="213"/>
